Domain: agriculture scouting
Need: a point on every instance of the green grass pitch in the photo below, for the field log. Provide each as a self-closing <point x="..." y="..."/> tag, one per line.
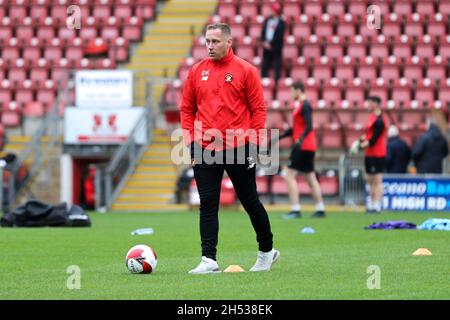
<point x="330" y="264"/>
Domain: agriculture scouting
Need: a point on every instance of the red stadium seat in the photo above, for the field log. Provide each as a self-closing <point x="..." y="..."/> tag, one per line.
<point x="402" y="50"/>
<point x="33" y="109"/>
<point x="356" y="50"/>
<point x="122" y="11"/>
<point x="436" y="72"/>
<point x="38" y="75"/>
<point x="355" y="95"/>
<point x="330" y="136"/>
<point x="254" y="30"/>
<point x="74" y="54"/>
<point x="10" y="118"/>
<point x="335" y="8"/>
<point x="290" y="51"/>
<point x="24" y="33"/>
<point x="227" y="10"/>
<point x="436" y="29"/>
<point x="332" y="96"/>
<point x="53" y="54"/>
<point x="248" y="9"/>
<point x="246" y="52"/>
<point x="444" y="96"/>
<point x="403" y="8"/>
<point x="346" y="29"/>
<point x="367" y="71"/>
<point x="110" y="33"/>
<point x="344" y="72"/>
<point x="46" y="33"/>
<point x="322" y="72"/>
<point x="425" y="7"/>
<point x="424" y="50"/>
<point x="311" y="50"/>
<point x="444" y="51"/>
<point x="324" y="29"/>
<point x="379" y="51"/>
<point x="357" y="8"/>
<point x="291" y="9"/>
<point x="24" y="96"/>
<point x="101" y="12"/>
<point x="313" y="9"/>
<point x="17" y="75"/>
<point x="5" y="97"/>
<point x="390" y="29"/>
<point x="413" y="71"/>
<point x="424" y="95"/>
<point x="132" y="33"/>
<point x="401" y="96"/>
<point x="390" y="72"/>
<point x="444" y="7"/>
<point x="299" y="72"/>
<point x="66" y="34"/>
<point x="17" y="13"/>
<point x="334" y="50"/>
<point x="87" y="33"/>
<point x="301" y="30"/>
<point x="414" y="29"/>
<point x="30" y="54"/>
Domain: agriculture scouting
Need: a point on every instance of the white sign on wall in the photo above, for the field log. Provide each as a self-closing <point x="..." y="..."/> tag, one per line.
<point x="104" y="89"/>
<point x="102" y="126"/>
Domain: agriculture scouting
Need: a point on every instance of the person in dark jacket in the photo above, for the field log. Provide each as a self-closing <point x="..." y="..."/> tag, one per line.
<point x="430" y="149"/>
<point x="272" y="38"/>
<point x="398" y="152"/>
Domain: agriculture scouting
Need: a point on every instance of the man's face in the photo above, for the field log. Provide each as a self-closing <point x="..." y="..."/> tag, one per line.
<point x="296" y="93"/>
<point x="217" y="43"/>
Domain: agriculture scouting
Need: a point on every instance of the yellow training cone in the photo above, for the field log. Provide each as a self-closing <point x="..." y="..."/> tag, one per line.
<point x="422" y="252"/>
<point x="234" y="268"/>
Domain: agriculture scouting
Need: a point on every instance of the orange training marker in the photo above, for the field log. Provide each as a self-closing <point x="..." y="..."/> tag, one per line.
<point x="234" y="268"/>
<point x="422" y="252"/>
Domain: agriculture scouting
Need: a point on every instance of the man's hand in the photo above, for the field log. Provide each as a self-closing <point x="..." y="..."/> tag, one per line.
<point x="364" y="144"/>
<point x="298" y="144"/>
<point x="267" y="45"/>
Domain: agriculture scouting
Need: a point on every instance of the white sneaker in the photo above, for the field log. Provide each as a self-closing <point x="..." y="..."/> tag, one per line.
<point x="265" y="260"/>
<point x="206" y="266"/>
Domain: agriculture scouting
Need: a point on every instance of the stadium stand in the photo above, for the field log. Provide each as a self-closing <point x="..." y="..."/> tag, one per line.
<point x="37" y="49"/>
<point x="330" y="46"/>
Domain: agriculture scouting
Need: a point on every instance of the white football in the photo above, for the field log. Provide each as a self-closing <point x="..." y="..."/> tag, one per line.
<point x="141" y="259"/>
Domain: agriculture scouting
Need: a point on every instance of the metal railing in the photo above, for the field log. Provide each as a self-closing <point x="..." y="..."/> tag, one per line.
<point x="111" y="178"/>
<point x="37" y="152"/>
<point x="352" y="181"/>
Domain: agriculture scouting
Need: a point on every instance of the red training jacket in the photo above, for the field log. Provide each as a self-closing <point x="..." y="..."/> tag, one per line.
<point x="223" y="94"/>
<point x="379" y="148"/>
<point x="299" y="126"/>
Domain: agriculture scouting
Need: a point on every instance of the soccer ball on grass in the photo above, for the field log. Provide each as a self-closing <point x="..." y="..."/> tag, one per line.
<point x="141" y="259"/>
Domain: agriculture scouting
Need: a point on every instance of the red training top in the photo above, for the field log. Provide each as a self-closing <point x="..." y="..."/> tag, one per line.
<point x="302" y="125"/>
<point x="224" y="95"/>
<point x="376" y="130"/>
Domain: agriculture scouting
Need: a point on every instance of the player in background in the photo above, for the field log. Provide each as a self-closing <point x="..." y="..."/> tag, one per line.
<point x="373" y="142"/>
<point x="302" y="155"/>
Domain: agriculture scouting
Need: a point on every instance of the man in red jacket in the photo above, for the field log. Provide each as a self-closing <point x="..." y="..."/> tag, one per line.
<point x="302" y="154"/>
<point x="374" y="144"/>
<point x="223" y="95"/>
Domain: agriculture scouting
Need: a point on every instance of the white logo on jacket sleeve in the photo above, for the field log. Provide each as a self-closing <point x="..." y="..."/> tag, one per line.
<point x="205" y="75"/>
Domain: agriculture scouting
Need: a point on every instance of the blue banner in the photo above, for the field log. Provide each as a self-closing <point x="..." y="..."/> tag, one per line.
<point x="416" y="193"/>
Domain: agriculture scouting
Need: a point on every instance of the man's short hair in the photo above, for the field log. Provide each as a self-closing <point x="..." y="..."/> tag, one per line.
<point x="225" y="28"/>
<point x="298" y="85"/>
<point x="375" y="99"/>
